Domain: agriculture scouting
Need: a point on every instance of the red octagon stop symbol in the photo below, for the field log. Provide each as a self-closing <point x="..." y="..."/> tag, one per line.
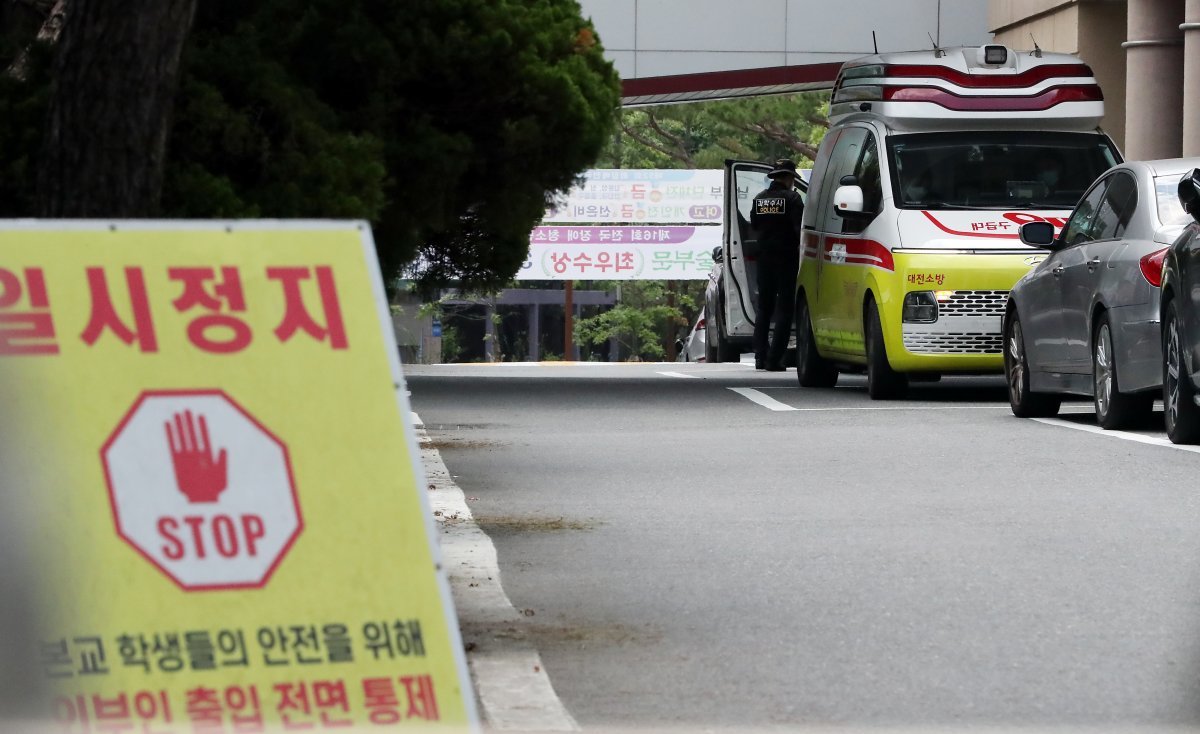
<point x="202" y="489"/>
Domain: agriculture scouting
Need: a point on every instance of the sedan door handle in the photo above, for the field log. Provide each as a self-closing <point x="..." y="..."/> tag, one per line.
<point x="1093" y="264"/>
<point x="1057" y="271"/>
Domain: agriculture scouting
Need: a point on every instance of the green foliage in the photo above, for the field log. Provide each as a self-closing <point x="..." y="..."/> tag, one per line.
<point x="23" y="105"/>
<point x="704" y="134"/>
<point x="643" y="319"/>
<point x="446" y="123"/>
<point x="632" y="327"/>
<point x="452" y="344"/>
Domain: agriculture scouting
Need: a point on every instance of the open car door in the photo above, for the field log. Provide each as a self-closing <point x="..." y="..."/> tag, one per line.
<point x="743" y="181"/>
<point x="734" y="321"/>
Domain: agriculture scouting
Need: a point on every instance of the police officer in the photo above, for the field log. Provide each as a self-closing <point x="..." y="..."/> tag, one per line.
<point x="776" y="217"/>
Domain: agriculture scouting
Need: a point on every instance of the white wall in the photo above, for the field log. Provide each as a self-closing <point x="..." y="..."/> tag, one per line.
<point x="662" y="37"/>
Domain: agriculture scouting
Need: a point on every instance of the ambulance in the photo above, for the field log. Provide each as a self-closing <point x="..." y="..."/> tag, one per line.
<point x="933" y="161"/>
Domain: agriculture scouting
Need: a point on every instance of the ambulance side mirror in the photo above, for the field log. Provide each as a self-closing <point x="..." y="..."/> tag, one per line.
<point x="848" y="200"/>
<point x="718" y="255"/>
<point x="1037" y="234"/>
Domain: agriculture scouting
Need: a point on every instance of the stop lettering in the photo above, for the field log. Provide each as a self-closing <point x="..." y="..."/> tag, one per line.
<point x="221" y="532"/>
<point x="202" y="490"/>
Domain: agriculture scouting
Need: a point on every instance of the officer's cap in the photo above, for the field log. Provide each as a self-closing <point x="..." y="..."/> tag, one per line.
<point x="783" y="167"/>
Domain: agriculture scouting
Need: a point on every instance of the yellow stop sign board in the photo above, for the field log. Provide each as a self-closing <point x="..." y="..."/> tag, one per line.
<point x="232" y="519"/>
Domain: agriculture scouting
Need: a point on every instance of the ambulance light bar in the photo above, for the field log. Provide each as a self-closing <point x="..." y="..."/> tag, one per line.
<point x="976" y="85"/>
<point x="959" y="103"/>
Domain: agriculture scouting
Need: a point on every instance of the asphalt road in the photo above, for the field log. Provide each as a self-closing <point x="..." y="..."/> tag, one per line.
<point x="696" y="559"/>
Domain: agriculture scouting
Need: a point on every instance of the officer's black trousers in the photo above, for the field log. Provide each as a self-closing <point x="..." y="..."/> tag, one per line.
<point x="777" y="299"/>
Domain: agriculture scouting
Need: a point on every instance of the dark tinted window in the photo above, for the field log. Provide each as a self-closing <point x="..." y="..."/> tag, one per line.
<point x="1120" y="199"/>
<point x="1079" y="228"/>
<point x="996" y="170"/>
<point x="844" y="158"/>
<point x="871" y="183"/>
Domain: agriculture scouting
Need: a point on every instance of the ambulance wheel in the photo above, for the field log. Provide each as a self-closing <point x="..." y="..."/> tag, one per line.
<point x="812" y="370"/>
<point x="883" y="382"/>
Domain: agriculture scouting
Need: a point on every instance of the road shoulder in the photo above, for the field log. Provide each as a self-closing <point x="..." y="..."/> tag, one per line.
<point x="513" y="688"/>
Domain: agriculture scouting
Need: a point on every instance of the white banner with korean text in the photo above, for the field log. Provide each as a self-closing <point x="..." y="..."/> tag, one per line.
<point x="642" y="196"/>
<point x="620" y="253"/>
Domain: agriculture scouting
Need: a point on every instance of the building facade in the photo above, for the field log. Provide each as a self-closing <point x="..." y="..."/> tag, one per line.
<point x="1145" y="53"/>
<point x="654" y="38"/>
<point x="1146" y="56"/>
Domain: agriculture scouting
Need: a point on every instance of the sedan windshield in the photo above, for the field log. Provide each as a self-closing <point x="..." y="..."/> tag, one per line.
<point x="996" y="170"/>
<point x="1170" y="211"/>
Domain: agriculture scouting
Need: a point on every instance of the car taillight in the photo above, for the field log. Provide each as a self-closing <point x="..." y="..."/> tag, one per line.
<point x="700" y="325"/>
<point x="1152" y="266"/>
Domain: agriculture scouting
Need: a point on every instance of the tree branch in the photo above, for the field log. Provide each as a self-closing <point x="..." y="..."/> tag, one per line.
<point x="55" y="12"/>
<point x="780" y="135"/>
<point x="684" y="155"/>
<point x="652" y="145"/>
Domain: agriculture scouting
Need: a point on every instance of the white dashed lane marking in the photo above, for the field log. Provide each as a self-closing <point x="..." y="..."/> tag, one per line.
<point x="766" y="401"/>
<point x="680" y="374"/>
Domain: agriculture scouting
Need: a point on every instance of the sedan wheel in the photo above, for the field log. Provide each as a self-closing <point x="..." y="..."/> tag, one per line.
<point x="1182" y="415"/>
<point x="1114" y="409"/>
<point x="1025" y="404"/>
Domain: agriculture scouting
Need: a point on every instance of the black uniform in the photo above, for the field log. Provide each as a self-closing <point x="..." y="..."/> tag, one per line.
<point x="776" y="216"/>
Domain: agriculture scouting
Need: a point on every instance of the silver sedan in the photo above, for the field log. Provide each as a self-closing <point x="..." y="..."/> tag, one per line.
<point x="1085" y="320"/>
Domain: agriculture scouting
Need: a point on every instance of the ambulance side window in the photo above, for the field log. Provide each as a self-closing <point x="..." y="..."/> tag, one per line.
<point x="845" y="157"/>
<point x="871" y="183"/>
<point x="818" y="192"/>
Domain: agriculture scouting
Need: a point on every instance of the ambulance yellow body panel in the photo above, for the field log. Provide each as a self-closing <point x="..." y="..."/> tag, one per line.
<point x="846" y="286"/>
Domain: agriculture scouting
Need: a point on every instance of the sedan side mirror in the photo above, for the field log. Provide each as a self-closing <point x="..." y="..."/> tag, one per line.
<point x="848" y="200"/>
<point x="1037" y="234"/>
<point x="718" y="254"/>
<point x="678" y="345"/>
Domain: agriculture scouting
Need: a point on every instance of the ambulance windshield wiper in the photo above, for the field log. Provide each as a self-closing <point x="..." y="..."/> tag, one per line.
<point x="1042" y="205"/>
<point x="941" y="205"/>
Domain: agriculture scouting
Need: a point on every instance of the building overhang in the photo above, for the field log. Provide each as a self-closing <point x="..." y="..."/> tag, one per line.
<point x="730" y="84"/>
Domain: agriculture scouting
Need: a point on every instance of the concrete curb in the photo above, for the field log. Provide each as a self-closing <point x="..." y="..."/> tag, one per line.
<point x="511" y="683"/>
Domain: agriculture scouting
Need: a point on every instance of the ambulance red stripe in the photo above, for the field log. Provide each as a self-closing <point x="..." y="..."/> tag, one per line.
<point x="963" y="233"/>
<point x="1009" y="103"/>
<point x="861" y="252"/>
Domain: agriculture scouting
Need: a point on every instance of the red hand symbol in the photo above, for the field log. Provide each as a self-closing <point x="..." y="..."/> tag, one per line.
<point x="199" y="478"/>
